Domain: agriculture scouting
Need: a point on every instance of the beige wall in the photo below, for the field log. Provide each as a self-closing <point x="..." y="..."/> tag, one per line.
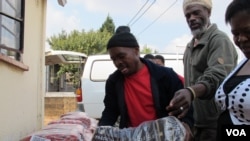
<point x="22" y="92"/>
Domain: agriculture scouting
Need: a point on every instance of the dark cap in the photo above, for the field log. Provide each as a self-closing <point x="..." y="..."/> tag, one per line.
<point x="123" y="39"/>
<point x="122" y="28"/>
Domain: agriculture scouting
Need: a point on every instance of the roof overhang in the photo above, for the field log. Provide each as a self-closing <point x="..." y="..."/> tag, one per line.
<point x="64" y="57"/>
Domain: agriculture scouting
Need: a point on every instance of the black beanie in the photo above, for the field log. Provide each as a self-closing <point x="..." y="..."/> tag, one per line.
<point x="122" y="28"/>
<point x="122" y="39"/>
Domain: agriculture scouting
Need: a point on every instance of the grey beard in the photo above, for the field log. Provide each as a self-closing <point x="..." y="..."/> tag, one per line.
<point x="198" y="32"/>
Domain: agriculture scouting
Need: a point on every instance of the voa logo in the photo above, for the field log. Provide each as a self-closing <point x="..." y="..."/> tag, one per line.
<point x="236" y="132"/>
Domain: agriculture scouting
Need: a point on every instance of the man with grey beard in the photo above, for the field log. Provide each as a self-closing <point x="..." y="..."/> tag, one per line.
<point x="208" y="59"/>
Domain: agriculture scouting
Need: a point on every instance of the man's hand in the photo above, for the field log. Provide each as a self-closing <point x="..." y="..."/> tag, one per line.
<point x="180" y="103"/>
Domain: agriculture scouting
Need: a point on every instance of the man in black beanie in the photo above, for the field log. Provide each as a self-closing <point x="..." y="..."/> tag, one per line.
<point x="139" y="90"/>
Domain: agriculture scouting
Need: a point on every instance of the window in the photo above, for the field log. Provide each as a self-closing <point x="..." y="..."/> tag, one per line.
<point x="11" y="28"/>
<point x="98" y="73"/>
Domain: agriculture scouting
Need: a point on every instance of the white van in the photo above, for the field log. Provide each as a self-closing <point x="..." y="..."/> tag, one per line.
<point x="96" y="71"/>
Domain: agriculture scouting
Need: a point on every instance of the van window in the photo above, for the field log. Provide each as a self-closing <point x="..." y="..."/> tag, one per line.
<point x="101" y="69"/>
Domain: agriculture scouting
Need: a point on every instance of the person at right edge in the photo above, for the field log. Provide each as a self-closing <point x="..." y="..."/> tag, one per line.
<point x="208" y="58"/>
<point x="233" y="96"/>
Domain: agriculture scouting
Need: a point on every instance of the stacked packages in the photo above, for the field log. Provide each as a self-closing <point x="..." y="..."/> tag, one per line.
<point x="73" y="126"/>
<point x="77" y="126"/>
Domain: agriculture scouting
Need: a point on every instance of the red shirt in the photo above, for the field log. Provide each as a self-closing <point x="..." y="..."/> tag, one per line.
<point x="138" y="97"/>
<point x="181" y="78"/>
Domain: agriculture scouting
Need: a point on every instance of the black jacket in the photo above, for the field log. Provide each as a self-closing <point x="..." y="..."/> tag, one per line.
<point x="164" y="83"/>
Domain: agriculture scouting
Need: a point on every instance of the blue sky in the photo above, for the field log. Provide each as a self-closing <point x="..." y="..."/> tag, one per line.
<point x="162" y="27"/>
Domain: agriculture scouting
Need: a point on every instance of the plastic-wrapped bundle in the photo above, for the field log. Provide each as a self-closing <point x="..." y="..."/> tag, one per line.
<point x="72" y="126"/>
<point x="87" y="122"/>
<point x="57" y="132"/>
<point x="164" y="129"/>
<point x="83" y="117"/>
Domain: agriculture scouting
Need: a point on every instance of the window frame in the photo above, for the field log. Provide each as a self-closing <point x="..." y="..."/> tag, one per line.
<point x="16" y="59"/>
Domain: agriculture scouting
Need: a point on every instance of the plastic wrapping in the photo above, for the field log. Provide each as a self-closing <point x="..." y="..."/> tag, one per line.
<point x="164" y="129"/>
<point x="58" y="132"/>
<point x="72" y="126"/>
<point x="78" y="116"/>
<point x="66" y="121"/>
<point x="89" y="124"/>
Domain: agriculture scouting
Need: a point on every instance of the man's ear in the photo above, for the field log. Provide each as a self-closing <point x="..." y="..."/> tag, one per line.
<point x="209" y="12"/>
<point x="137" y="50"/>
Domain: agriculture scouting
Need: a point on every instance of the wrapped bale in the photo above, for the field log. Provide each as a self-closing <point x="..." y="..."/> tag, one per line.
<point x="164" y="129"/>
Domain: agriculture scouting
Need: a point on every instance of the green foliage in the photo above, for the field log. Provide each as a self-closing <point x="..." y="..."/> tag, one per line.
<point x="146" y="50"/>
<point x="108" y="25"/>
<point x="73" y="72"/>
<point x="91" y="42"/>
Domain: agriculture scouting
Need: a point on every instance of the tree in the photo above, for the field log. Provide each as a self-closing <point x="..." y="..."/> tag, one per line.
<point x="108" y="25"/>
<point x="146" y="50"/>
<point x="92" y="42"/>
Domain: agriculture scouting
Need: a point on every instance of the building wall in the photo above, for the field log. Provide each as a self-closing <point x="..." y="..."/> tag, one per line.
<point x="57" y="104"/>
<point x="22" y="92"/>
